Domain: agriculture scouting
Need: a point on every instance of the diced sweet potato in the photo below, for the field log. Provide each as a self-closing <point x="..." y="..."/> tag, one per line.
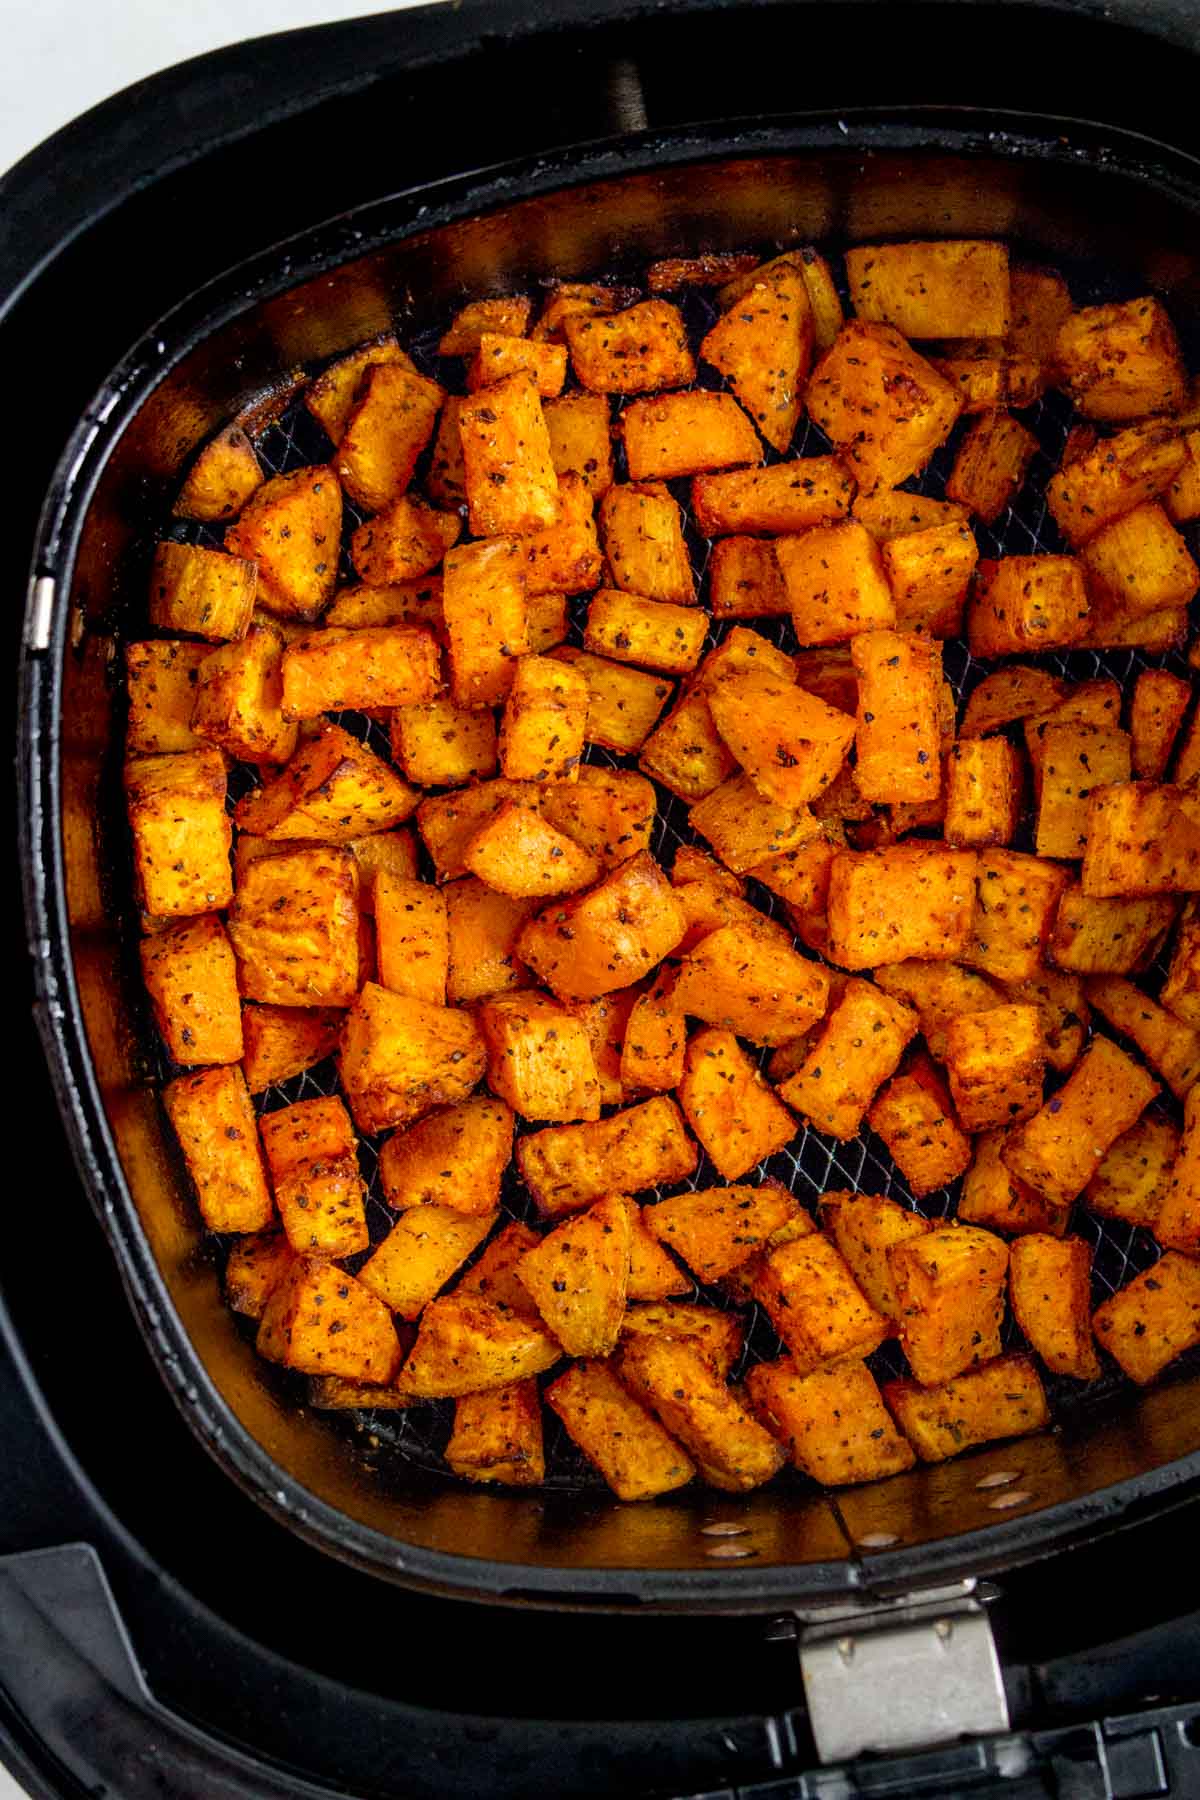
<point x="652" y="1052"/>
<point x="507" y="313"/>
<point x="983" y="792"/>
<point x="953" y="288"/>
<point x="995" y="1063"/>
<point x="991" y="465"/>
<point x="446" y="478"/>
<point x="294" y="928"/>
<point x="940" y="991"/>
<point x="1024" y="603"/>
<point x="483" y="597"/>
<point x="312" y="1156"/>
<point x="623" y="704"/>
<point x="1178" y="1223"/>
<point x="1153" y="1319"/>
<point x="650" y="632"/>
<point x="564" y="558"/>
<point x="745" y="829"/>
<point x="412" y="937"/>
<point x="993" y="1197"/>
<point x="492" y="1277"/>
<point x="800" y="876"/>
<point x="291" y="529"/>
<point x="539" y="1057"/>
<point x="670" y="435"/>
<point x="508" y="470"/>
<point x="1140" y="563"/>
<point x="1051" y="1281"/>
<point x="686" y="753"/>
<point x="910" y="900"/>
<point x="832" y="1421"/>
<point x="743" y="652"/>
<point x="579" y="299"/>
<point x="181" y="832"/>
<point x="1156" y="712"/>
<point x="545" y="721"/>
<point x="499" y="355"/>
<point x="760" y="989"/>
<point x="334" y="669"/>
<point x="716" y="1335"/>
<point x="402" y="1057"/>
<point x="707" y="270"/>
<point x="567" y="1167"/>
<point x="1108" y="937"/>
<point x="441" y="744"/>
<point x="764" y="344"/>
<point x="789" y="742"/>
<point x="416" y="602"/>
<point x="787" y="497"/>
<point x="1058" y="1151"/>
<point x="497" y="1437"/>
<point x="191" y="978"/>
<point x="1181" y="989"/>
<point x="858" y="1047"/>
<point x="1182" y="497"/>
<point x="894" y="513"/>
<point x="333" y="789"/>
<point x="609" y="937"/>
<point x="1168" y="1045"/>
<point x="330" y="397"/>
<point x="643" y="541"/>
<point x="836" y="583"/>
<point x="546" y="622"/>
<point x="204" y="592"/>
<point x="897" y="737"/>
<point x="519" y="853"/>
<point x="323" y="1322"/>
<point x="337" y="1393"/>
<point x="653" y="1275"/>
<point x="455" y="1158"/>
<point x="239" y="698"/>
<point x="1132" y="1181"/>
<point x="1015" y="904"/>
<point x="604" y="1021"/>
<point x="1115" y="475"/>
<point x="716" y="1230"/>
<point x="390" y="422"/>
<point x="1142" y="839"/>
<point x="467" y="1346"/>
<point x="448" y="822"/>
<point x="929" y="573"/>
<point x="420" y="1255"/>
<point x="1003" y="1399"/>
<point x="221" y="479"/>
<point x="1019" y="692"/>
<point x="637" y="351"/>
<point x="729" y="1106"/>
<point x="744" y="579"/>
<point x="950" y="1285"/>
<point x="731" y="1449"/>
<point x="883" y="407"/>
<point x="282" y="1041"/>
<point x="578" y="1277"/>
<point x="608" y="812"/>
<point x="484" y="927"/>
<point x="214" y="1122"/>
<point x="256" y="1266"/>
<point x="580" y="440"/>
<point x="1121" y="361"/>
<point x="864" y="1227"/>
<point x="161" y="680"/>
<point x="818" y="280"/>
<point x="914" y="1117"/>
<point x="625" y="1442"/>
<point x="815" y="1304"/>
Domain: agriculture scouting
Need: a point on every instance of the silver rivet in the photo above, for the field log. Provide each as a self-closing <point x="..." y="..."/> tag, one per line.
<point x="728" y="1552"/>
<point x="1003" y="1501"/>
<point x="1001" y="1478"/>
<point x="724" y="1528"/>
<point x="879" y="1540"/>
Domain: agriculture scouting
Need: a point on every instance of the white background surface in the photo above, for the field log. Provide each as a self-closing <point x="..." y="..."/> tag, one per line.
<point x="62" y="56"/>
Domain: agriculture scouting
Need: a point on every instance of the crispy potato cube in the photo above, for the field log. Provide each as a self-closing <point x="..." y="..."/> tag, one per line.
<point x="1156" y="712"/>
<point x="719" y="1229"/>
<point x="1051" y="1282"/>
<point x="221" y="479"/>
<point x="929" y="573"/>
<point x="744" y="579"/>
<point x="914" y="1117"/>
<point x="565" y="557"/>
<point x="1019" y="692"/>
<point x="390" y="422"/>
<point x="508" y="313"/>
<point x="1121" y="361"/>
<point x="652" y="1051"/>
<point x="239" y="696"/>
<point x="983" y="792"/>
<point x="652" y="1273"/>
<point x="1024" y="603"/>
<point x="1182" y="497"/>
<point x="492" y="1277"/>
<point x="764" y="346"/>
<point x="214" y="1122"/>
<point x="1156" y="634"/>
<point x="483" y="596"/>
<point x="441" y="744"/>
<point x="1060" y="999"/>
<point x="950" y="1285"/>
<point x="497" y="1437"/>
<point x="954" y="288"/>
<point x="578" y="1277"/>
<point x="567" y="1167"/>
<point x="891" y="513"/>
<point x="996" y="1065"/>
<point x="718" y="1336"/>
<point x="484" y="927"/>
<point x="897" y="737"/>
<point x="323" y="1322"/>
<point x="421" y="1253"/>
<point x="643" y="540"/>
<point x="1153" y="1319"/>
<point x="991" y="465"/>
<point x="1178" y="1224"/>
<point x="708" y="270"/>
<point x="1140" y="563"/>
<point x="336" y="670"/>
<point x="859" y="1046"/>
<point x="191" y="978"/>
<point x="291" y="527"/>
<point x="500" y="355"/>
<point x="312" y="1156"/>
<point x="604" y="1021"/>
<point x="294" y="928"/>
<point x="738" y="978"/>
<point x="282" y="1041"/>
<point x="161" y="680"/>
<point x="448" y="822"/>
<point x="832" y="1421"/>
<point x="883" y="407"/>
<point x="402" y="1057"/>
<point x="402" y="603"/>
<point x="940" y="991"/>
<point x="1168" y="1045"/>
<point x="686" y="753"/>
<point x="608" y="812"/>
<point x="743" y="652"/>
<point x="623" y="704"/>
<point x="508" y="470"/>
<point x="818" y="280"/>
<point x="1003" y="1399"/>
<point x="618" y="1436"/>
<point x="547" y="622"/>
<point x="800" y="876"/>
<point x="836" y="583"/>
<point x="789" y="742"/>
<point x="1058" y="1151"/>
<point x="545" y="720"/>
<point x="977" y="368"/>
<point x="256" y="1266"/>
<point x="787" y="497"/>
<point x="467" y="1346"/>
<point x="334" y="789"/>
<point x="732" y="1451"/>
<point x="864" y="1227"/>
<point x="204" y="592"/>
<point x="729" y="1106"/>
<point x="812" y="1299"/>
<point x="1115" y="475"/>
<point x="579" y="299"/>
<point x="539" y="1057"/>
<point x="650" y="632"/>
<point x="1108" y="937"/>
<point x="181" y="832"/>
<point x="993" y="1197"/>
<point x="446" y="478"/>
<point x="453" y="1158"/>
<point x="411" y="937"/>
<point x="668" y="435"/>
<point x="637" y="351"/>
<point x="745" y="829"/>
<point x="581" y="440"/>
<point x="1016" y="898"/>
<point x="1181" y="990"/>
<point x="911" y="900"/>
<point x="519" y="853"/>
<point x="607" y="938"/>
<point x="330" y="398"/>
<point x="1142" y="839"/>
<point x="708" y="904"/>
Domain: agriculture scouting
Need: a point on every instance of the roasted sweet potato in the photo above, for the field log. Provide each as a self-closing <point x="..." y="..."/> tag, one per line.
<point x="1002" y="1399"/>
<point x="1168" y="1045"/>
<point x="401" y="1057"/>
<point x="214" y="1122"/>
<point x="484" y="927"/>
<point x="609" y="937"/>
<point x="507" y="313"/>
<point x="731" y="1449"/>
<point x="624" y="704"/>
<point x="744" y="579"/>
<point x="1156" y="712"/>
<point x="389" y="424"/>
<point x="545" y="721"/>
<point x="312" y="1155"/>
<point x="950" y="1287"/>
<point x="508" y="470"/>
<point x="883" y="407"/>
<point x="467" y="1346"/>
<point x="420" y="1254"/>
<point x="334" y="789"/>
<point x="637" y="351"/>
<point x="832" y="1421"/>
<point x="1024" y="603"/>
<point x="455" y="1157"/>
<point x="729" y="1106"/>
<point x="607" y="812"/>
<point x="539" y="1058"/>
<point x="764" y="344"/>
<point x="323" y="1322"/>
<point x="815" y="1304"/>
<point x="492" y="1277"/>
<point x="995" y="1063"/>
<point x="954" y="288"/>
<point x="499" y="355"/>
<point x="929" y="573"/>
<point x="580" y="440"/>
<point x="1016" y="900"/>
<point x="578" y="1277"/>
<point x="860" y="1044"/>
<point x="836" y="583"/>
<point x="336" y="669"/>
<point x="1051" y="1283"/>
<point x="294" y="927"/>
<point x="621" y="1438"/>
<point x="519" y="853"/>
<point x="483" y="597"/>
<point x="1153" y="1319"/>
<point x="1131" y="1182"/>
<point x="161" y="680"/>
<point x="497" y="1437"/>
<point x="915" y="1119"/>
<point x="567" y="1167"/>
<point x="898" y="735"/>
<point x="290" y="528"/>
<point x="650" y="632"/>
<point x="441" y="744"/>
<point x="1058" y="1151"/>
<point x="255" y="1267"/>
<point x="330" y="397"/>
<point x="181" y="832"/>
<point x="1141" y="839"/>
<point x="910" y="900"/>
<point x="993" y="1196"/>
<point x="281" y="1041"/>
<point x="983" y="792"/>
<point x="787" y="497"/>
<point x="643" y="541"/>
<point x="204" y="592"/>
<point x="669" y="435"/>
<point x="990" y="467"/>
<point x="191" y="977"/>
<point x="738" y="978"/>
<point x="1121" y="361"/>
<point x="221" y="479"/>
<point x="789" y="742"/>
<point x="864" y="1227"/>
<point x="1108" y="937"/>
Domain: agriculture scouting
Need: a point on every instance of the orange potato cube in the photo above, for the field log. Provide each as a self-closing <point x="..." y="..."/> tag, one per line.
<point x="412" y="937"/>
<point x="1113" y="476"/>
<point x="1051" y="1282"/>
<point x="732" y="1451"/>
<point x="497" y="1437"/>
<point x="546" y="621"/>
<point x="519" y="853"/>
<point x="446" y="478"/>
<point x="652" y="1052"/>
<point x="729" y="1106"/>
<point x="330" y="397"/>
<point x="859" y="1046"/>
<point x="312" y="1156"/>
<point x="991" y="465"/>
<point x="499" y="355"/>
<point x="578" y="1277"/>
<point x="787" y="497"/>
<point x="950" y="1285"/>
<point x="221" y="479"/>
<point x="402" y="1057"/>
<point x="1180" y="991"/>
<point x="745" y="829"/>
<point x="608" y="938"/>
<point x="637" y="351"/>
<point x="391" y="421"/>
<point x="579" y="299"/>
<point x="790" y="743"/>
<point x="507" y="313"/>
<point x="448" y="822"/>
<point x="1040" y="302"/>
<point x="1177" y="1226"/>
<point x="1140" y="563"/>
<point x="564" y="558"/>
<point x="719" y="1229"/>
<point x="545" y="721"/>
<point x="910" y="900"/>
<point x="333" y="790"/>
<point x="954" y="288"/>
<point x="993" y="1197"/>
<point x="623" y="704"/>
<point x="668" y="435"/>
<point x="743" y="652"/>
<point x="1002" y="1399"/>
<point x="1019" y="692"/>
<point x="323" y="1322"/>
<point x="1016" y="899"/>
<point x="894" y="513"/>
<point x="929" y="573"/>
<point x="1153" y="1319"/>
<point x="282" y="1041"/>
<point x="483" y="596"/>
<point x="1142" y="839"/>
<point x="1108" y="937"/>
<point x="864" y="1227"/>
<point x="239" y="695"/>
<point x="1058" y="1151"/>
<point x="441" y="744"/>
<point x="718" y="1336"/>
<point x="815" y="1304"/>
<point x="191" y="978"/>
<point x="416" y="602"/>
<point x="1121" y="361"/>
<point x="453" y="1158"/>
<point x="1182" y="497"/>
<point x="996" y="1065"/>
<point x="1132" y="1181"/>
<point x="1156" y="712"/>
<point x="604" y="1021"/>
<point x="181" y="832"/>
<point x="508" y="471"/>
<point x="619" y="1437"/>
<point x="983" y="792"/>
<point x="539" y="1057"/>
<point x="882" y="406"/>
<point x="707" y="270"/>
<point x="291" y="528"/>
<point x="336" y="670"/>
<point x="294" y="928"/>
<point x="818" y="280"/>
<point x="643" y="540"/>
<point x="940" y="991"/>
<point x="581" y="440"/>
<point x="832" y="1421"/>
<point x="610" y="813"/>
<point x="567" y="1167"/>
<point x="483" y="927"/>
<point x="467" y="1346"/>
<point x="653" y="1275"/>
<point x="914" y="1117"/>
<point x="836" y="583"/>
<point x="492" y="1277"/>
<point x="254" y="1270"/>
<point x="686" y="753"/>
<point x="738" y="978"/>
<point x="763" y="344"/>
<point x="744" y="579"/>
<point x="204" y="592"/>
<point x="1168" y="1045"/>
<point x="161" y="681"/>
<point x="420" y="1254"/>
<point x="897" y="736"/>
<point x="651" y="632"/>
<point x="214" y="1122"/>
<point x="1024" y="603"/>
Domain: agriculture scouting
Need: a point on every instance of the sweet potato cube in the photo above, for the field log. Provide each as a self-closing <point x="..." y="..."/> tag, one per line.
<point x="453" y="1158"/>
<point x="940" y="991"/>
<point x="604" y="1021"/>
<point x="1168" y="1045"/>
<point x="954" y="288"/>
<point x="402" y="1057"/>
<point x="995" y="1063"/>
<point x="1108" y="937"/>
<point x="653" y="1275"/>
<point x="1015" y="903"/>
<point x="608" y="812"/>
<point x="983" y="792"/>
<point x="497" y="1437"/>
<point x="623" y="705"/>
<point x="719" y="1229"/>
<point x="670" y="435"/>
<point x="539" y="1057"/>
<point x="993" y="1197"/>
<point x="412" y="937"/>
<point x="864" y="1227"/>
<point x="914" y="1117"/>
<point x="1113" y="477"/>
<point x="567" y="1167"/>
<point x="221" y="479"/>
<point x="787" y="497"/>
<point x="909" y="900"/>
<point x="1140" y="563"/>
<point x="256" y="1266"/>
<point x="892" y="513"/>
<point x="858" y="1047"/>
<point x="580" y="440"/>
<point x="762" y="990"/>
<point x="718" y="1336"/>
<point x="546" y="622"/>
<point x="323" y="1322"/>
<point x="637" y="351"/>
<point x="416" y="602"/>
<point x="950" y="1285"/>
<point x="1003" y="1399"/>
<point x="744" y="579"/>
<point x="578" y="1277"/>
<point x="708" y="904"/>
<point x="238" y="702"/>
<point x="508" y="470"/>
<point x="507" y="313"/>
<point x="836" y="583"/>
<point x="484" y="927"/>
<point x="578" y="299"/>
<point x="545" y="721"/>
<point x="467" y="1346"/>
<point x="291" y="528"/>
<point x="607" y="938"/>
<point x="1177" y="1226"/>
<point x="564" y="558"/>
<point x="330" y="398"/>
<point x="334" y="789"/>
<point x="764" y="345"/>
<point x="312" y="1157"/>
<point x="390" y="422"/>
<point x="790" y="744"/>
<point x="1132" y="1181"/>
<point x="191" y="978"/>
<point x="743" y="652"/>
<point x="181" y="832"/>
<point x="448" y="822"/>
<point x="729" y="1106"/>
<point x="1058" y="1151"/>
<point x="282" y="1041"/>
<point x="1153" y="1319"/>
<point x="499" y="355"/>
<point x="1121" y="361"/>
<point x="686" y="753"/>
<point x="619" y="1437"/>
<point x="294" y="928"/>
<point x="519" y="853"/>
<point x="1156" y="712"/>
<point x="882" y="406"/>
<point x="800" y="876"/>
<point x="492" y="1277"/>
<point x="832" y="1421"/>
<point x="650" y="632"/>
<point x="214" y="1123"/>
<point x="204" y="592"/>
<point x="1051" y="1283"/>
<point x="446" y="478"/>
<point x="335" y="670"/>
<point x="732" y="1451"/>
<point x="812" y="1299"/>
<point x="1019" y="692"/>
<point x="483" y="597"/>
<point x="161" y="680"/>
<point x="1024" y="603"/>
<point x="1142" y="839"/>
<point x="1182" y="497"/>
<point x="745" y="829"/>
<point x="897" y="738"/>
<point x="652" y="1052"/>
<point x="991" y="465"/>
<point x="929" y="573"/>
<point x="1040" y="302"/>
<point x="1181" y="990"/>
<point x="442" y="744"/>
<point x="818" y="280"/>
<point x="643" y="541"/>
<point x="420" y="1255"/>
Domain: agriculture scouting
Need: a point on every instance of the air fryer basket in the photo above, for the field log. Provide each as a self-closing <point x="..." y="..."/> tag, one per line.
<point x="1120" y="218"/>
